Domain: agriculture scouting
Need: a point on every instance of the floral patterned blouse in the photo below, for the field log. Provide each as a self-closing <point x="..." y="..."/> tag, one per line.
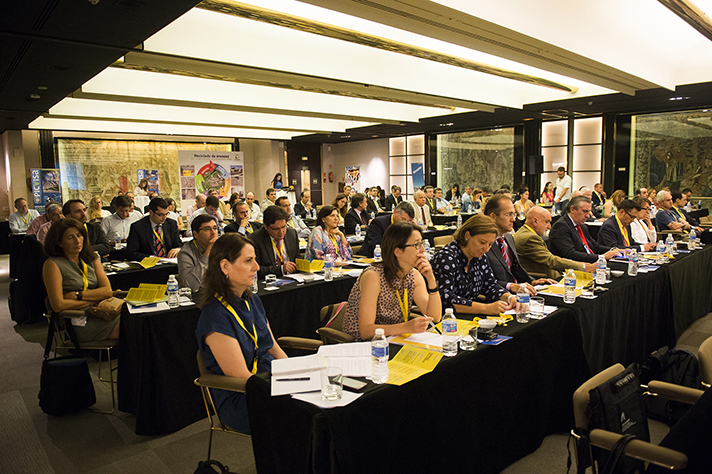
<point x="320" y="245"/>
<point x="458" y="286"/>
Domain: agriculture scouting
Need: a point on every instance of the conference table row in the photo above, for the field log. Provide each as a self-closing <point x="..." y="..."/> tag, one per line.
<point x="489" y="407"/>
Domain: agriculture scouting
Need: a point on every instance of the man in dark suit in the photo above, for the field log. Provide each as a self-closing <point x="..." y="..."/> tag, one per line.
<point x="394" y="198"/>
<point x="154" y="235"/>
<point x="679" y="201"/>
<point x="569" y="237"/>
<point x="373" y="207"/>
<point x="374" y="233"/>
<point x="242" y="224"/>
<point x="276" y="244"/>
<point x="503" y="254"/>
<point x="357" y="215"/>
<point x="76" y="209"/>
<point x="615" y="232"/>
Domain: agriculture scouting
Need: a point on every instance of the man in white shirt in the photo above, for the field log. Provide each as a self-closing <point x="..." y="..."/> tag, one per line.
<point x="422" y="210"/>
<point x="135" y="213"/>
<point x="440" y="203"/>
<point x="21" y="219"/>
<point x="270" y="200"/>
<point x="253" y="208"/>
<point x="467" y="204"/>
<point x="211" y="208"/>
<point x="117" y="226"/>
<point x="642" y="228"/>
<point x="293" y="221"/>
<point x="199" y="204"/>
<point x="563" y="189"/>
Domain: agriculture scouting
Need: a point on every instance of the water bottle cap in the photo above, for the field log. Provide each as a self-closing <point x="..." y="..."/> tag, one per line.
<point x="379" y="332"/>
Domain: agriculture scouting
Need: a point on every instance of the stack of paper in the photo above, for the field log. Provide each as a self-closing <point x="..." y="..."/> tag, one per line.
<point x="146" y="293"/>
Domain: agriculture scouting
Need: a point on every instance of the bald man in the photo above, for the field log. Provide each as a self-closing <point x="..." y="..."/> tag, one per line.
<point x="533" y="253"/>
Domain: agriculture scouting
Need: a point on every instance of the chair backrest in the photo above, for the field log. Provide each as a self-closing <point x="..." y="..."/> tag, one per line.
<point x="332" y="316"/>
<point x="443" y="240"/>
<point x="355" y="249"/>
<point x="201" y="364"/>
<point x="704" y="357"/>
<point x="581" y="395"/>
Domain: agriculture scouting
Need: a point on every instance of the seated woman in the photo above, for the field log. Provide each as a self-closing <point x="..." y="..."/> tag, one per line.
<point x="547" y="195"/>
<point x="477" y="198"/>
<point x="341" y="204"/>
<point x="95" y="213"/>
<point x="233" y="334"/>
<point x="463" y="270"/>
<point x="75" y="279"/>
<point x="386" y="290"/>
<point x="523" y="204"/>
<point x="611" y="206"/>
<point x="142" y="188"/>
<point x="326" y="238"/>
<point x="172" y="214"/>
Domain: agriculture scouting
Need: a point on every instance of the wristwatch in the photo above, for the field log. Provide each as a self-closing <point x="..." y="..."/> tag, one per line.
<point x="79" y="294"/>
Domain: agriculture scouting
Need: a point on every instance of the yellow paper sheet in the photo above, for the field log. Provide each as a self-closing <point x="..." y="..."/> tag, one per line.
<point x="581" y="277"/>
<point x="149" y="262"/>
<point x="363" y="260"/>
<point x="557" y="290"/>
<point x="304" y="265"/>
<point x="146" y="293"/>
<point x="410" y="363"/>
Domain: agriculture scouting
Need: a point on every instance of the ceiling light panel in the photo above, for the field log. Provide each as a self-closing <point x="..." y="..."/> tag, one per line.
<point x="109" y="109"/>
<point x="239" y="41"/>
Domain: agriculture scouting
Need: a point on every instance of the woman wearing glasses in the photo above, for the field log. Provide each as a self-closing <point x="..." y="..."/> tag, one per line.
<point x="464" y="272"/>
<point x="385" y="291"/>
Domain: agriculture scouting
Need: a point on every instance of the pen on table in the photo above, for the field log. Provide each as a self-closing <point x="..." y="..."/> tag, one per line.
<point x="434" y="327"/>
<point x="296" y="379"/>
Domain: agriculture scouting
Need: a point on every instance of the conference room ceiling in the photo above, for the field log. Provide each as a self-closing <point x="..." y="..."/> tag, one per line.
<point x="318" y="70"/>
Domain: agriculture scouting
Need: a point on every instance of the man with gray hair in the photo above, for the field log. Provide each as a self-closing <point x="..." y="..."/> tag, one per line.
<point x="41" y="220"/>
<point x="667" y="218"/>
<point x="53" y="212"/>
<point x="403" y="212"/>
<point x="422" y="210"/>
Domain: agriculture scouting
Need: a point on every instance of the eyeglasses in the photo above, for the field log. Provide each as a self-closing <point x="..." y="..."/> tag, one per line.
<point x="630" y="215"/>
<point x="417" y="245"/>
<point x="211" y="229"/>
<point x="161" y="214"/>
<point x="645" y="209"/>
<point x="510" y="214"/>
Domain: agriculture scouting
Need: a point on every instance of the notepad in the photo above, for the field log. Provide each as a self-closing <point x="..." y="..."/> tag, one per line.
<point x="146" y="293"/>
<point x="410" y="363"/>
<point x="149" y="262"/>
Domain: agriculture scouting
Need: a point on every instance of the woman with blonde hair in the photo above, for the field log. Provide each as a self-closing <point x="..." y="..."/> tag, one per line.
<point x="95" y="213"/>
<point x="611" y="206"/>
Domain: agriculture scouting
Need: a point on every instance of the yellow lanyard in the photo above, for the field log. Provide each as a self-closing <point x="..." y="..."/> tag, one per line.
<point x="645" y="230"/>
<point x="83" y="270"/>
<point x="197" y="247"/>
<point x="391" y="218"/>
<point x="600" y="199"/>
<point x="430" y="201"/>
<point x="158" y="235"/>
<point x="403" y="303"/>
<point x="532" y="230"/>
<point x="291" y="223"/>
<point x="678" y="212"/>
<point x="253" y="336"/>
<point x="249" y="229"/>
<point x="278" y="251"/>
<point x="336" y="246"/>
<point x="25" y="219"/>
<point x="623" y="231"/>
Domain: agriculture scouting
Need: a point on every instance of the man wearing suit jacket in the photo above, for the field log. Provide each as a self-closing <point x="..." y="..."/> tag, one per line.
<point x="615" y="232"/>
<point x="276" y="244"/>
<point x="503" y="254"/>
<point x="394" y="198"/>
<point x="357" y="215"/>
<point x="242" y="224"/>
<point x="422" y="210"/>
<point x="373" y="204"/>
<point x="154" y="235"/>
<point x="76" y="209"/>
<point x="374" y="233"/>
<point x="533" y="253"/>
<point x="569" y="237"/>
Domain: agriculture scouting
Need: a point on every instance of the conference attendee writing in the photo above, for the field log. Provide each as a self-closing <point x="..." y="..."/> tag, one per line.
<point x="234" y="336"/>
<point x="384" y="293"/>
<point x="242" y="224"/>
<point x="502" y="255"/>
<point x="422" y="210"/>
<point x="293" y="220"/>
<point x="193" y="256"/>
<point x="464" y="273"/>
<point x="21" y="219"/>
<point x="153" y="235"/>
<point x="533" y="253"/>
<point x="74" y="279"/>
<point x="276" y="244"/>
<point x="76" y="209"/>
<point x="374" y="233"/>
<point x="327" y="239"/>
<point x="616" y="231"/>
<point x="569" y="236"/>
<point x="357" y="215"/>
<point x="642" y="228"/>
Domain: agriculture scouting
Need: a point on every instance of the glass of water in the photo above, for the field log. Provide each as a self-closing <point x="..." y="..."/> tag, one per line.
<point x="187" y="292"/>
<point x="536" y="307"/>
<point x="332" y="383"/>
<point x="468" y="339"/>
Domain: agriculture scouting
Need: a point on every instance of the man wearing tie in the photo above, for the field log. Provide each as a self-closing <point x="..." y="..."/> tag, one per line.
<point x="616" y="231"/>
<point x="154" y="235"/>
<point x="430" y="198"/>
<point x="569" y="237"/>
<point x="422" y="210"/>
<point x="357" y="214"/>
<point x="276" y="244"/>
<point x="394" y="198"/>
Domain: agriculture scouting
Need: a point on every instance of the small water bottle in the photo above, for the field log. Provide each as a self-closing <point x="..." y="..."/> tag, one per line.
<point x="570" y="286"/>
<point x="459" y="221"/>
<point x="255" y="286"/>
<point x="601" y="270"/>
<point x="449" y="325"/>
<point x="328" y="268"/>
<point x="669" y="244"/>
<point x="692" y="239"/>
<point x="373" y="215"/>
<point x="426" y="246"/>
<point x="633" y="263"/>
<point x="377" y="253"/>
<point x="172" y="290"/>
<point x="522" y="304"/>
<point x="660" y="248"/>
<point x="448" y="210"/>
<point x="358" y="231"/>
<point x="379" y="357"/>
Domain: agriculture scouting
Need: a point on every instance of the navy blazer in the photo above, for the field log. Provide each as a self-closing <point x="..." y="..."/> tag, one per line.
<point x="392" y="202"/>
<point x="503" y="274"/>
<point x="352" y="220"/>
<point x="565" y="242"/>
<point x="264" y="252"/>
<point x="610" y="235"/>
<point x="374" y="234"/>
<point x="140" y="242"/>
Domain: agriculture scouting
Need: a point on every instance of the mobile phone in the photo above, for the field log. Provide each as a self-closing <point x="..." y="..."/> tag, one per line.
<point x="352" y="383"/>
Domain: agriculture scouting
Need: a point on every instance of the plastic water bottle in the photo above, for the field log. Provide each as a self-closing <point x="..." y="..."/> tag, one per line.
<point x="328" y="268"/>
<point x="692" y="239"/>
<point x="669" y="244"/>
<point x="660" y="248"/>
<point x="426" y="246"/>
<point x="373" y="216"/>
<point x="633" y="263"/>
<point x="459" y="221"/>
<point x="379" y="357"/>
<point x="377" y="253"/>
<point x="172" y="290"/>
<point x="570" y="286"/>
<point x="358" y="231"/>
<point x="255" y="286"/>
<point x="522" y="304"/>
<point x="448" y="210"/>
<point x="601" y="270"/>
<point x="449" y="325"/>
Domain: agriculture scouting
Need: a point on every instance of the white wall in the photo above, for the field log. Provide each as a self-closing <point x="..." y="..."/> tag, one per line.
<point x="20" y="151"/>
<point x="263" y="159"/>
<point x="370" y="155"/>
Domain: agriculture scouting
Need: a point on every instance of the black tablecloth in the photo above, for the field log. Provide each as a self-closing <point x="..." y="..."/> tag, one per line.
<point x="480" y="411"/>
<point x="691" y="281"/>
<point x="134" y="276"/>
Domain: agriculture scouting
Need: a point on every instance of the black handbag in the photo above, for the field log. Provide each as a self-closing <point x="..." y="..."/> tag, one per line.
<point x="65" y="385"/>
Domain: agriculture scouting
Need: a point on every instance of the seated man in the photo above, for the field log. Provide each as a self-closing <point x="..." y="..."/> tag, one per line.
<point x="242" y="224"/>
<point x="430" y="198"/>
<point x="97" y="238"/>
<point x="212" y="209"/>
<point x="41" y="220"/>
<point x="533" y="253"/>
<point x="357" y="214"/>
<point x="615" y="232"/>
<point x="422" y="210"/>
<point x="117" y="226"/>
<point x="374" y="233"/>
<point x="667" y="218"/>
<point x="374" y="206"/>
<point x="440" y="203"/>
<point x="253" y="207"/>
<point x="394" y="198"/>
<point x="679" y="201"/>
<point x="569" y="237"/>
<point x="304" y="208"/>
<point x="503" y="253"/>
<point x="53" y="212"/>
<point x="269" y="200"/>
<point x="595" y="213"/>
<point x="276" y="244"/>
<point x="642" y="228"/>
<point x="193" y="256"/>
<point x="199" y="204"/>
<point x="598" y="197"/>
<point x="154" y="234"/>
<point x="293" y="221"/>
<point x="468" y="204"/>
<point x="21" y="219"/>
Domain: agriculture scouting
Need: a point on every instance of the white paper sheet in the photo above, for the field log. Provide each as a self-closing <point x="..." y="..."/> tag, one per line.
<point x="297" y="364"/>
<point x="315" y="399"/>
<point x="428" y="338"/>
<point x="352" y="349"/>
<point x="162" y="306"/>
